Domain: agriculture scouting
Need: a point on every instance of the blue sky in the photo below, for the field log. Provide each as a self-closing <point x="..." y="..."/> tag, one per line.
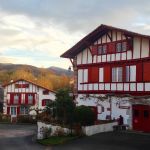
<point x="37" y="32"/>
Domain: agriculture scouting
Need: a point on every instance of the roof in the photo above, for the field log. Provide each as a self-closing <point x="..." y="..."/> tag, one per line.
<point x="93" y="36"/>
<point x="29" y="82"/>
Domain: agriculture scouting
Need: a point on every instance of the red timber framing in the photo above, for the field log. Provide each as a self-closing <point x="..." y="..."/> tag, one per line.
<point x="112" y="47"/>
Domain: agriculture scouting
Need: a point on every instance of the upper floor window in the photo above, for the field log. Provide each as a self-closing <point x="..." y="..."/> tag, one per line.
<point x="16" y="98"/>
<point x="21" y="85"/>
<point x="130" y="73"/>
<point x="102" y="49"/>
<point x="30" y="99"/>
<point x="117" y="74"/>
<point x="121" y="46"/>
<point x="45" y="92"/>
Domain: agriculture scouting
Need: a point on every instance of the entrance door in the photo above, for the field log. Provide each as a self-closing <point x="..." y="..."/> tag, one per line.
<point x="141" y="118"/>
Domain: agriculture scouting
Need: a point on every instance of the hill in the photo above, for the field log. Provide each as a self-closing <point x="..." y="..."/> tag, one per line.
<point x="52" y="77"/>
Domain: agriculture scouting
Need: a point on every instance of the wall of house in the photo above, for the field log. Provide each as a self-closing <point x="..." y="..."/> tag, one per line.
<point x="114" y="107"/>
<point x="38" y="93"/>
<point x="141" y="49"/>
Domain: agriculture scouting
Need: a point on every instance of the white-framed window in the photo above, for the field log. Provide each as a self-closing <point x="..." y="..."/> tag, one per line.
<point x="101" y="74"/>
<point x="117" y="74"/>
<point x="131" y="73"/>
<point x="24" y="110"/>
<point x="30" y="99"/>
<point x="16" y="99"/>
<point x="13" y="111"/>
<point x="124" y="46"/>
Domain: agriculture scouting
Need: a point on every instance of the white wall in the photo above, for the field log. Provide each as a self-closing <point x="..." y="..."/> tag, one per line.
<point x="115" y="102"/>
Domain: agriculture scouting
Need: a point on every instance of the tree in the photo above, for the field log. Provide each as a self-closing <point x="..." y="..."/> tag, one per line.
<point x="63" y="107"/>
<point x="84" y="115"/>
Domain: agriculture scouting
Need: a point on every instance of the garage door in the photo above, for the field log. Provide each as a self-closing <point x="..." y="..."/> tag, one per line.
<point x="141" y="117"/>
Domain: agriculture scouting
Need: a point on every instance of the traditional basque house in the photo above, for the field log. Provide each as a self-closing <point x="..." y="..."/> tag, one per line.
<point x="112" y="74"/>
<point x="21" y="96"/>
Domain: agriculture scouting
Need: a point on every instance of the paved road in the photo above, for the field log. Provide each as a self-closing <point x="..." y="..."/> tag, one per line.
<point x="109" y="141"/>
<point x="20" y="137"/>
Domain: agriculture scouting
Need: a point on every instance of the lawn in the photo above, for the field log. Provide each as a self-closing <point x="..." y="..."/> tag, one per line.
<point x="56" y="140"/>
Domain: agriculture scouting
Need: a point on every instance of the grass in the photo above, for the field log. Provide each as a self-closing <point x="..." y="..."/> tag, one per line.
<point x="56" y="140"/>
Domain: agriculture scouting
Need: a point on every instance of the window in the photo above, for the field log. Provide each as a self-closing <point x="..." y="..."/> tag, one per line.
<point x="102" y="49"/>
<point x="101" y="74"/>
<point x="46" y="102"/>
<point x="131" y="73"/>
<point x="45" y="92"/>
<point x="118" y="47"/>
<point x="121" y="46"/>
<point x="13" y="110"/>
<point x="124" y="46"/>
<point x="117" y="74"/>
<point x="16" y="99"/>
<point x="21" y="85"/>
<point x="30" y="99"/>
<point x="24" y="110"/>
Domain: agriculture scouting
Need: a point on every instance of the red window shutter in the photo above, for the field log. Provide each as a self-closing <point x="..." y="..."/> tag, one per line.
<point x="8" y="110"/>
<point x="94" y="50"/>
<point x="146" y="71"/>
<point x="19" y="98"/>
<point x="93" y="73"/>
<point x="33" y="99"/>
<point x="12" y="98"/>
<point x="26" y="99"/>
<point x="107" y="74"/>
<point x="111" y="48"/>
<point x="18" y="110"/>
<point x="139" y="71"/>
<point x="43" y="102"/>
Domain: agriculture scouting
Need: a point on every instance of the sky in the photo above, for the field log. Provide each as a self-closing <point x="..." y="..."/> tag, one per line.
<point x="37" y="32"/>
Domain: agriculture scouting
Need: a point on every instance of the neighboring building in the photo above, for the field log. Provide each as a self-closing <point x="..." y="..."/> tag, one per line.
<point x="114" y="63"/>
<point x="22" y="95"/>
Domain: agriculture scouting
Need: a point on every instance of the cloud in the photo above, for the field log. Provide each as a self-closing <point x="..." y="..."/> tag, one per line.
<point x="47" y="28"/>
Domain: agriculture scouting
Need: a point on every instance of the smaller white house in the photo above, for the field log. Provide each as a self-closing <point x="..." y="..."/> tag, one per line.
<point x="22" y="95"/>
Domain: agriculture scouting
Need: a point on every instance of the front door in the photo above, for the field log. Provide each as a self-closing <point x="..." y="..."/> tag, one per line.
<point x="13" y="112"/>
<point x="141" y="118"/>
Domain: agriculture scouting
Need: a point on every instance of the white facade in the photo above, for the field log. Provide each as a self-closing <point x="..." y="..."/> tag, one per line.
<point x="31" y="88"/>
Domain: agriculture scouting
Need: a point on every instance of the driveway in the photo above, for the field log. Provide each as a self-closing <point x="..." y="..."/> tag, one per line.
<point x="20" y="137"/>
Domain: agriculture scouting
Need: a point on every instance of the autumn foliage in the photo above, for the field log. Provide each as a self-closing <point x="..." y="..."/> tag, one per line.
<point x="43" y="77"/>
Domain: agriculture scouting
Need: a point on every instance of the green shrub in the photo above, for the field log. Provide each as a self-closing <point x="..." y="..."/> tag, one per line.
<point x="5" y="118"/>
<point x="25" y="119"/>
<point x="84" y="115"/>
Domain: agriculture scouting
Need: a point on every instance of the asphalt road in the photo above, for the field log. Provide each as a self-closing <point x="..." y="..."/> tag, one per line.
<point x="110" y="141"/>
<point x="20" y="137"/>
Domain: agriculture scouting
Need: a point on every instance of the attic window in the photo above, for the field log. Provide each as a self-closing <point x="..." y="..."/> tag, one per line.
<point x="45" y="92"/>
<point x="21" y="85"/>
